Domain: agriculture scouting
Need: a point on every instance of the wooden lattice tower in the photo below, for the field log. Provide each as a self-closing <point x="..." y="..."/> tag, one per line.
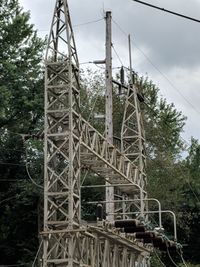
<point x="62" y="138"/>
<point x="71" y="142"/>
<point x="133" y="136"/>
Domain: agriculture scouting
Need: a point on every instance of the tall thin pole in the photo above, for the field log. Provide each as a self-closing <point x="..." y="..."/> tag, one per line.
<point x="109" y="106"/>
<point x="130" y="59"/>
<point x="109" y="100"/>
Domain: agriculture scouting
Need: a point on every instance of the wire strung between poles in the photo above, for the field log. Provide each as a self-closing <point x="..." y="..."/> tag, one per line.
<point x="168" y="11"/>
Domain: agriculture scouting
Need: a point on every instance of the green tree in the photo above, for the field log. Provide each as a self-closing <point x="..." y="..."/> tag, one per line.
<point x="21" y="109"/>
<point x="189" y="214"/>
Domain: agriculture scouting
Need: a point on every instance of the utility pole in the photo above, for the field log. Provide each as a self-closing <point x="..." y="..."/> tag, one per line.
<point x="109" y="107"/>
<point x="109" y="100"/>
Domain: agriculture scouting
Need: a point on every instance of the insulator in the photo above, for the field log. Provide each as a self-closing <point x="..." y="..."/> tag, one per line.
<point x="120" y="90"/>
<point x="133" y="77"/>
<point x="158" y="241"/>
<point x="125" y="223"/>
<point x="134" y="229"/>
<point x="122" y="75"/>
<point x="172" y="246"/>
<point x="147" y="240"/>
<point x="99" y="212"/>
<point x="148" y="235"/>
<point x="167" y="245"/>
<point x="163" y="247"/>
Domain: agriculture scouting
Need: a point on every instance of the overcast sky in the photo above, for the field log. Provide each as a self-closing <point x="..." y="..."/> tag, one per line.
<point x="171" y="43"/>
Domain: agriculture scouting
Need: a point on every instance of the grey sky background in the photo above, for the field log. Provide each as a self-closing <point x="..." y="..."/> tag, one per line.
<point x="171" y="43"/>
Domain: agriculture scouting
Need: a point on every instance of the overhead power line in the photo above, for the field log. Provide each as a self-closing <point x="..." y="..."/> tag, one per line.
<point x="181" y="171"/>
<point x="159" y="71"/>
<point x="167" y="11"/>
<point x="117" y="55"/>
<point x="159" y="258"/>
<point x="78" y="25"/>
<point x="183" y="260"/>
<point x="88" y="22"/>
<point x="170" y="257"/>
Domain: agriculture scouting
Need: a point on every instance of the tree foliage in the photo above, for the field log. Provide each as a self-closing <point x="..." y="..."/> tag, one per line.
<point x="21" y="111"/>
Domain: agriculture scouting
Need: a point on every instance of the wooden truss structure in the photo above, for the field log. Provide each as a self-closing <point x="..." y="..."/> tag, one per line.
<point x="72" y="143"/>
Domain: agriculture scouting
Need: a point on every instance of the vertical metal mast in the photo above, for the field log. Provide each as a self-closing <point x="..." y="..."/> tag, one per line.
<point x="109" y="106"/>
<point x="62" y="142"/>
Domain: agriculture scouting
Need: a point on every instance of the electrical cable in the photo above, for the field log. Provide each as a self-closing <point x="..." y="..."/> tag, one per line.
<point x="14" y="265"/>
<point x="186" y="178"/>
<point x="84" y="177"/>
<point x="185" y="141"/>
<point x="188" y="182"/>
<point x="95" y="101"/>
<point x="10" y="180"/>
<point x="103" y="68"/>
<point x="38" y="251"/>
<point x="158" y="70"/>
<point x="84" y="63"/>
<point x="78" y="25"/>
<point x="28" y="173"/>
<point x="117" y="55"/>
<point x="93" y="107"/>
<point x="88" y="22"/>
<point x="10" y="149"/>
<point x="168" y="11"/>
<point x="171" y="257"/>
<point x="181" y="255"/>
<point x="159" y="258"/>
<point x="169" y="81"/>
<point x="26" y="164"/>
<point x="27" y="170"/>
<point x="120" y="28"/>
<point x="7" y="199"/>
<point x="12" y="164"/>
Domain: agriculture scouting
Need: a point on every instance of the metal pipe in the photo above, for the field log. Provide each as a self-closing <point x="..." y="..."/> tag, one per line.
<point x="115" y="185"/>
<point x="132" y="200"/>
